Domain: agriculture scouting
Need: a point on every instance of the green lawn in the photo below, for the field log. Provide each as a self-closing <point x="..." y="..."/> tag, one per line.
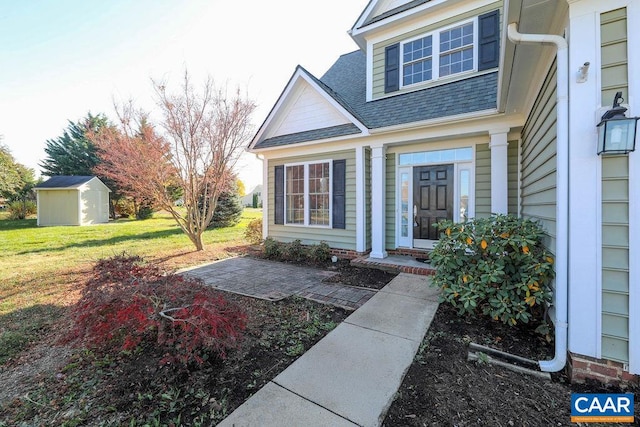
<point x="41" y="267"/>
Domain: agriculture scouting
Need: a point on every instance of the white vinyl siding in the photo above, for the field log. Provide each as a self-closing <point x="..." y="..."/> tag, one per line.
<point x="615" y="198"/>
<point x="336" y="238"/>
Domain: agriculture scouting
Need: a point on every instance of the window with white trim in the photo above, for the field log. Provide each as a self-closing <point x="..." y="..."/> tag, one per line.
<point x="456" y="50"/>
<point x="439" y="54"/>
<point x="308" y="194"/>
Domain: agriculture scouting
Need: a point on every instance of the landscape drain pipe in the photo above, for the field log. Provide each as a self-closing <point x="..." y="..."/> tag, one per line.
<point x="562" y="191"/>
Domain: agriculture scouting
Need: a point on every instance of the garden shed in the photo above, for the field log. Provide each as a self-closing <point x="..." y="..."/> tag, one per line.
<point x="72" y="200"/>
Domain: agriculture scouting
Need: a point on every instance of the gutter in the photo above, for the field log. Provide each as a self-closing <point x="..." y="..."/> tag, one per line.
<point x="562" y="191"/>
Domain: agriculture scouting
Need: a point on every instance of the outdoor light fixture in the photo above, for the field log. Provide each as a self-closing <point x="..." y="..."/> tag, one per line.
<point x="617" y="132"/>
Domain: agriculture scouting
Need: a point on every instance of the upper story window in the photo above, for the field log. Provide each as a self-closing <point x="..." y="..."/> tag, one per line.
<point x="439" y="54"/>
<point x="456" y="50"/>
<point x="417" y="60"/>
<point x="471" y="45"/>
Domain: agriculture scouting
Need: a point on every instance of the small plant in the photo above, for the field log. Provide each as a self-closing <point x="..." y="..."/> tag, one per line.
<point x="127" y="303"/>
<point x="253" y="233"/>
<point x="496" y="266"/>
<point x="294" y="251"/>
<point x="320" y="253"/>
<point x="483" y="358"/>
<point x="272" y="248"/>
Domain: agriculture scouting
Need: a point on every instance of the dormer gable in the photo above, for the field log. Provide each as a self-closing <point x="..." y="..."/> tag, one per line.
<point x="414" y="45"/>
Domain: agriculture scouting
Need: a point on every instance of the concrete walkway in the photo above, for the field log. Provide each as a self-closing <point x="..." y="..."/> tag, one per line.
<point x="274" y="281"/>
<point x="350" y="377"/>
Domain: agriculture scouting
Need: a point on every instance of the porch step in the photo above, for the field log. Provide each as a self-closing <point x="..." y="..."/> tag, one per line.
<point x="395" y="264"/>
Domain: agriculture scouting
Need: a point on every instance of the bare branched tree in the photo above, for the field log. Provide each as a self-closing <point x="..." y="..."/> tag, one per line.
<point x="204" y="133"/>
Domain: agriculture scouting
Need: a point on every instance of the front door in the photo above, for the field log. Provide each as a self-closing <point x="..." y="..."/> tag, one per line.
<point x="432" y="199"/>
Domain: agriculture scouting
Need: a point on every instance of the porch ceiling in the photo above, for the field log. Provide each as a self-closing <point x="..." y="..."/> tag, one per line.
<point x="524" y="64"/>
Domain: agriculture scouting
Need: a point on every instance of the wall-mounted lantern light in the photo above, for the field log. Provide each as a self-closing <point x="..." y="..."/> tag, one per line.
<point x="616" y="131"/>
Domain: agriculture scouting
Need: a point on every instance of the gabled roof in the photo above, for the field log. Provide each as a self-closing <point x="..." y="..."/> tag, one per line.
<point x="345" y="84"/>
<point x="342" y="122"/>
<point x="64" y="181"/>
<point x="394" y="11"/>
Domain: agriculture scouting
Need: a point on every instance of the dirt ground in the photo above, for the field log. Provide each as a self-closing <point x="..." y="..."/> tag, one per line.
<point x="57" y="384"/>
<point x="443" y="388"/>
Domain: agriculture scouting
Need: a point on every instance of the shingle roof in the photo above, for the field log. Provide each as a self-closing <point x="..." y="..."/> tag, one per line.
<point x="311" y="135"/>
<point x="63" y="181"/>
<point x="345" y="82"/>
<point x="347" y="78"/>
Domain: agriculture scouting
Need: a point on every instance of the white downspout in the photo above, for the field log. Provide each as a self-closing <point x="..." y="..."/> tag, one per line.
<point x="562" y="191"/>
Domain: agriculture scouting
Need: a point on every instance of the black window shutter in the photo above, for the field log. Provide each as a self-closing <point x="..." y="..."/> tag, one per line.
<point x="489" y="40"/>
<point x="279" y="195"/>
<point x="392" y="68"/>
<point x="339" y="196"/>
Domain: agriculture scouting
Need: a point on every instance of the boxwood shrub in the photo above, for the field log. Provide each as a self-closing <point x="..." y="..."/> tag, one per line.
<point x="496" y="267"/>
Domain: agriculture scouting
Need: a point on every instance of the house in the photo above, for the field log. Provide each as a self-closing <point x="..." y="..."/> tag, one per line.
<point x="253" y="199"/>
<point x="72" y="200"/>
<point x="460" y="109"/>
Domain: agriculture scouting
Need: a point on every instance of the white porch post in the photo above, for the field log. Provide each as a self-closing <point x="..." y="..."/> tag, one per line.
<point x="378" y="159"/>
<point x="361" y="223"/>
<point x="499" y="174"/>
<point x="265" y="198"/>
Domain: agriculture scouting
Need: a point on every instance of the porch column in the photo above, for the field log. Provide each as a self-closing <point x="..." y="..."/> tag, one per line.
<point x="499" y="175"/>
<point x="361" y="219"/>
<point x="378" y="160"/>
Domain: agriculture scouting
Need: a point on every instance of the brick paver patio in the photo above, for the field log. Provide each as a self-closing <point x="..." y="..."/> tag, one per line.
<point x="274" y="281"/>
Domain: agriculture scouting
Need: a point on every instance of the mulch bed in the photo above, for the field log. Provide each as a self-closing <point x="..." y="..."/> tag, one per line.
<point x="442" y="388"/>
<point x="113" y="389"/>
<point x="358" y="276"/>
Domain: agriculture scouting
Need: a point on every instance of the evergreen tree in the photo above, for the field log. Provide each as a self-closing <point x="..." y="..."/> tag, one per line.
<point x="228" y="209"/>
<point x="73" y="153"/>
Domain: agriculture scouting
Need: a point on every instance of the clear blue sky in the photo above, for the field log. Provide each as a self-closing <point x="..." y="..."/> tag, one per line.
<point x="60" y="59"/>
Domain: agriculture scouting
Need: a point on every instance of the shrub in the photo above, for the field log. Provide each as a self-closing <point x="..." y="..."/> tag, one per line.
<point x="22" y="209"/>
<point x="124" y="208"/>
<point x="294" y="251"/>
<point x="145" y="211"/>
<point x="253" y="233"/>
<point x="272" y="248"/>
<point x="319" y="253"/>
<point x="496" y="266"/>
<point x="126" y="304"/>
